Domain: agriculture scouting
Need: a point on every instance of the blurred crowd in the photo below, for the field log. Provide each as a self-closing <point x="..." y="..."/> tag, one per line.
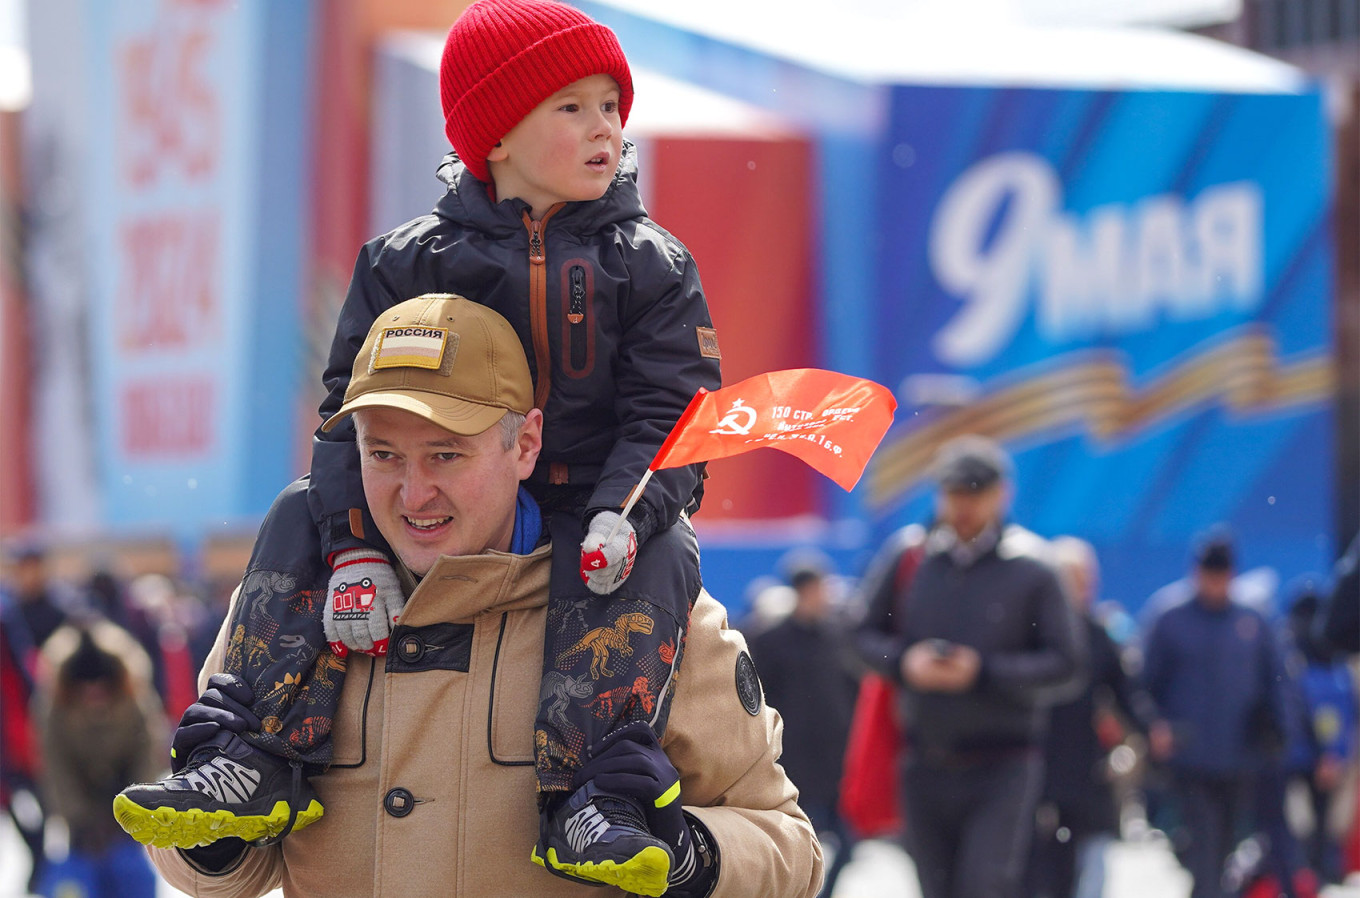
<point x="92" y="677"/>
<point x="1220" y="720"/>
<point x="1034" y="721"/>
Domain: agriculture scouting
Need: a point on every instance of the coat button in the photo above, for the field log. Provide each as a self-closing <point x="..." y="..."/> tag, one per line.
<point x="399" y="802"/>
<point x="411" y="648"/>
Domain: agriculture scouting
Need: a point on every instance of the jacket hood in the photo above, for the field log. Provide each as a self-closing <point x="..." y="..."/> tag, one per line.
<point x="63" y="650"/>
<point x="468" y="201"/>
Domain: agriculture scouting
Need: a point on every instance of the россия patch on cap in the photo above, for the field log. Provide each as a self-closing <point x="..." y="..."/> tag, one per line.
<point x="411" y="347"/>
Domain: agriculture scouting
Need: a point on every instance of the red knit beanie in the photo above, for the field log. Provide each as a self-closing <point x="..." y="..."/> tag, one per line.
<point x="504" y="57"/>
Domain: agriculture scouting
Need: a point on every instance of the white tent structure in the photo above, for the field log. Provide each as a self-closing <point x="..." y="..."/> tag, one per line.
<point x="982" y="42"/>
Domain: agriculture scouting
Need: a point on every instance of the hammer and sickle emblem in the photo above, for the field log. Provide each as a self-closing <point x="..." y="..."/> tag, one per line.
<point x="730" y="424"/>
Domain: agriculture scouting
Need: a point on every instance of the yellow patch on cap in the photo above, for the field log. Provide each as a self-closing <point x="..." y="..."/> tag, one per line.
<point x="412" y="346"/>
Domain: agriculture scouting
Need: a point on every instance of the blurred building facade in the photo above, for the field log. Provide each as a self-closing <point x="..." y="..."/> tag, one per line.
<point x="1323" y="38"/>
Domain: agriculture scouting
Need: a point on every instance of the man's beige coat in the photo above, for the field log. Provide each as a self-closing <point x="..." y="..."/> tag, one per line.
<point x="462" y="744"/>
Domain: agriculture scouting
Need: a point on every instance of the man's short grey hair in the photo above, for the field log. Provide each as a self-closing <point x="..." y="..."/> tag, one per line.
<point x="511" y="422"/>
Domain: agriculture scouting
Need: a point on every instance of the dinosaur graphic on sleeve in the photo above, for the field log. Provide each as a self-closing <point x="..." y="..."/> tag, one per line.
<point x="603" y="640"/>
<point x="562" y="689"/>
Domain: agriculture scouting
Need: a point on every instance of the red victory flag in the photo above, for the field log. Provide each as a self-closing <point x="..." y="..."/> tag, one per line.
<point x="830" y="420"/>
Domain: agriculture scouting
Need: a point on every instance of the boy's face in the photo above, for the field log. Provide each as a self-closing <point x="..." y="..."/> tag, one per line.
<point x="566" y="150"/>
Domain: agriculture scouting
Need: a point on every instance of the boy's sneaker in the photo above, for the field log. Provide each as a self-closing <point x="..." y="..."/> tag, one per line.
<point x="602" y="839"/>
<point x="227" y="788"/>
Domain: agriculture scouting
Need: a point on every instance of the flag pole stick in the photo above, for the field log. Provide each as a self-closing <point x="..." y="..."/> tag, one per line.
<point x="658" y="461"/>
<point x="635" y="495"/>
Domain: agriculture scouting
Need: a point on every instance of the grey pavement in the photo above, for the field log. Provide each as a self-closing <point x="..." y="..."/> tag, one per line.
<point x="1143" y="869"/>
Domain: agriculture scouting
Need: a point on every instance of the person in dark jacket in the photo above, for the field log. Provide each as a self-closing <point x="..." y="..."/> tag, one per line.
<point x="811" y="676"/>
<point x="1078" y="817"/>
<point x="543" y="223"/>
<point x="107" y="596"/>
<point x="19" y="795"/>
<point x="982" y="643"/>
<point x="39" y="607"/>
<point x="29" y="613"/>
<point x="1323" y="747"/>
<point x="1214" y="671"/>
<point x="1341" y="623"/>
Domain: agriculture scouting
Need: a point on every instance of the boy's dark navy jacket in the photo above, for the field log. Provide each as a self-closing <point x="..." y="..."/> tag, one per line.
<point x="1217" y="677"/>
<point x="611" y="314"/>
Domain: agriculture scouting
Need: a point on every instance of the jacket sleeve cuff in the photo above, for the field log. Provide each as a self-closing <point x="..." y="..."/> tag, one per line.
<point x="895" y="670"/>
<point x="984" y="675"/>
<point x="641" y="516"/>
<point x="705" y="879"/>
<point x="339" y="534"/>
<point x="644" y="521"/>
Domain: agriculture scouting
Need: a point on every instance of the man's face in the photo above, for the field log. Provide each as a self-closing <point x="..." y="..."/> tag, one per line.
<point x="567" y="149"/>
<point x="30" y="576"/>
<point x="814" y="599"/>
<point x="433" y="493"/>
<point x="1211" y="584"/>
<point x="969" y="512"/>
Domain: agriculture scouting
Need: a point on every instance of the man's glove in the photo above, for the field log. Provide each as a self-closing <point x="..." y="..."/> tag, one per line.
<point x="605" y="565"/>
<point x="363" y="602"/>
<point x="631" y="762"/>
<point x="224" y="705"/>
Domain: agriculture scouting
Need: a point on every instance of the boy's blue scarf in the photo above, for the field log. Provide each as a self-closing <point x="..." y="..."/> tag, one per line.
<point x="528" y="524"/>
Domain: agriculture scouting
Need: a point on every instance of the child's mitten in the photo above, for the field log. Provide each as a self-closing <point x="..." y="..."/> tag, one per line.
<point x="605" y="565"/>
<point x="363" y="603"/>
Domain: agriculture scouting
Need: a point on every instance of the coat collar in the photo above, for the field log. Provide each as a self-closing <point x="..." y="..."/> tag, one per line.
<point x="468" y="200"/>
<point x="460" y="588"/>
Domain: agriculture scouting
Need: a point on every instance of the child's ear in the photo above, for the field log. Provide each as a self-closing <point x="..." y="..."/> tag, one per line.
<point x="497" y="153"/>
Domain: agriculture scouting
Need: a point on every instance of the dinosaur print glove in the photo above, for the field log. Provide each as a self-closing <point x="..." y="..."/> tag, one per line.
<point x="605" y="565"/>
<point x="363" y="603"/>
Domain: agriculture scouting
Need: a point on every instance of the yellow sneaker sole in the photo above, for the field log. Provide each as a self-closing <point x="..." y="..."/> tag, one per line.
<point x="170" y="828"/>
<point x="644" y="873"/>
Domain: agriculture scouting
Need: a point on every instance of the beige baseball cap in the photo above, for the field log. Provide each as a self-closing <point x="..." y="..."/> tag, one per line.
<point x="452" y="361"/>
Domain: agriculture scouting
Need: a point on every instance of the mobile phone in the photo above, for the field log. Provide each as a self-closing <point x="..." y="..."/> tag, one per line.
<point x="942" y="648"/>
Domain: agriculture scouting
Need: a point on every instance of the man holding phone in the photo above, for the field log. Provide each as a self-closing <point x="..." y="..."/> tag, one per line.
<point x="981" y="643"/>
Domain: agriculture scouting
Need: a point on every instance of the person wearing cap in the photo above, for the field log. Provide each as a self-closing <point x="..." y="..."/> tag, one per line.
<point x="430" y="790"/>
<point x="543" y="222"/>
<point x="811" y="676"/>
<point x="980" y="641"/>
<point x="1213" y="669"/>
<point x="39" y="608"/>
